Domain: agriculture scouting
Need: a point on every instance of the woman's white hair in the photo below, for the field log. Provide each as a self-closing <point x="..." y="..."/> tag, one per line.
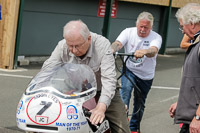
<point x="76" y="25"/>
<point x="190" y="13"/>
<point x="147" y="16"/>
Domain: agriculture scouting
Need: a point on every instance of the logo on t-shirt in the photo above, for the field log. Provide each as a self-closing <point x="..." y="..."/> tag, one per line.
<point x="137" y="62"/>
<point x="146" y="43"/>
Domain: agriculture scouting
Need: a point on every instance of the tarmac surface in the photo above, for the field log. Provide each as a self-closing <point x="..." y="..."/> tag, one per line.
<point x="156" y="119"/>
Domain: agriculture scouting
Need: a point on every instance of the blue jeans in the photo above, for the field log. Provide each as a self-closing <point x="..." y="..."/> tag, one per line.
<point x="138" y="105"/>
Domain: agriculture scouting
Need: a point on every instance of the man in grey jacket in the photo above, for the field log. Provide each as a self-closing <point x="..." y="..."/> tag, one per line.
<point x="80" y="46"/>
<point x="187" y="109"/>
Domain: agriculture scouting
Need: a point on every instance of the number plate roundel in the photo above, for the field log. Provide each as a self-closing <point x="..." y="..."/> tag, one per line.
<point x="44" y="109"/>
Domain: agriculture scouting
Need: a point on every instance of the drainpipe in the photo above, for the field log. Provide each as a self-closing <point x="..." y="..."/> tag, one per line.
<point x="164" y="26"/>
<point x="19" y="25"/>
<point x="106" y="24"/>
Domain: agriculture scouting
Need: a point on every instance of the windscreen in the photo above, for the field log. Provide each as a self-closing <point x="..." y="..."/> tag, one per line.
<point x="68" y="79"/>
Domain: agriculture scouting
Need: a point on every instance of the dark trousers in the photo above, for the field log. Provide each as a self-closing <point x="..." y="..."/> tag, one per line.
<point x="185" y="128"/>
<point x="116" y="114"/>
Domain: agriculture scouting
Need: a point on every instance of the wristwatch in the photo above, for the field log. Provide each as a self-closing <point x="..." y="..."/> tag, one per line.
<point x="197" y="117"/>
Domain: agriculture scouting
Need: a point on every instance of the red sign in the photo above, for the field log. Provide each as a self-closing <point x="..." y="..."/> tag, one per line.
<point x="102" y="8"/>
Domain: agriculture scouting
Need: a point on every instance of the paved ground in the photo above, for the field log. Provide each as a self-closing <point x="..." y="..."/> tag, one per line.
<point x="164" y="92"/>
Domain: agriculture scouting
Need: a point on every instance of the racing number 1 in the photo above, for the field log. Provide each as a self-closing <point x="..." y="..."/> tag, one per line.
<point x="46" y="106"/>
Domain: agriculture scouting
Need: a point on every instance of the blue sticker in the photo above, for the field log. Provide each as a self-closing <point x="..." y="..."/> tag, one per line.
<point x="19" y="107"/>
<point x="72" y="112"/>
<point x="19" y="120"/>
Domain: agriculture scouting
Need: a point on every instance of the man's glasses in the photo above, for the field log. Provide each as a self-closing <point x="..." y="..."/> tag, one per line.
<point x="181" y="28"/>
<point x="77" y="46"/>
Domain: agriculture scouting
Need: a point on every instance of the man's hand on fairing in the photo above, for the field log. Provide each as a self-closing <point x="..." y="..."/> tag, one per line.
<point x="98" y="114"/>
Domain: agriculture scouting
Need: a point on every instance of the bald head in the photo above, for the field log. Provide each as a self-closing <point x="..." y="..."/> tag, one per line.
<point x="76" y="28"/>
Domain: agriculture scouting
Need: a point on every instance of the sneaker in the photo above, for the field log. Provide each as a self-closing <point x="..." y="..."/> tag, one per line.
<point x="134" y="132"/>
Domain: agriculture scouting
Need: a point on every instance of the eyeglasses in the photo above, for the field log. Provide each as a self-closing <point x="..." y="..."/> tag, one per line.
<point x="181" y="29"/>
<point x="77" y="46"/>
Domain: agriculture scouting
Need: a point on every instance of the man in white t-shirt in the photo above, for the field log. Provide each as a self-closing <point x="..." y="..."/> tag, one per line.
<point x="145" y="44"/>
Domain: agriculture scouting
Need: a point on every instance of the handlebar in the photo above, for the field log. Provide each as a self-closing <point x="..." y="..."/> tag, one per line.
<point x="86" y="112"/>
<point x="121" y="55"/>
<point x="124" y="54"/>
<point x="138" y="90"/>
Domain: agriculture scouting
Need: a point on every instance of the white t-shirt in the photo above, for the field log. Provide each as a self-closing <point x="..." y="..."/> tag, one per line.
<point x="144" y="67"/>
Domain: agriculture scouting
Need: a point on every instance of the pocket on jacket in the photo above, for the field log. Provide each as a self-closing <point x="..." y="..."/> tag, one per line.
<point x="95" y="68"/>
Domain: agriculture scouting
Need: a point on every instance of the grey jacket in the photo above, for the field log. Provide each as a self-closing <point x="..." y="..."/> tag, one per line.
<point x="189" y="95"/>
